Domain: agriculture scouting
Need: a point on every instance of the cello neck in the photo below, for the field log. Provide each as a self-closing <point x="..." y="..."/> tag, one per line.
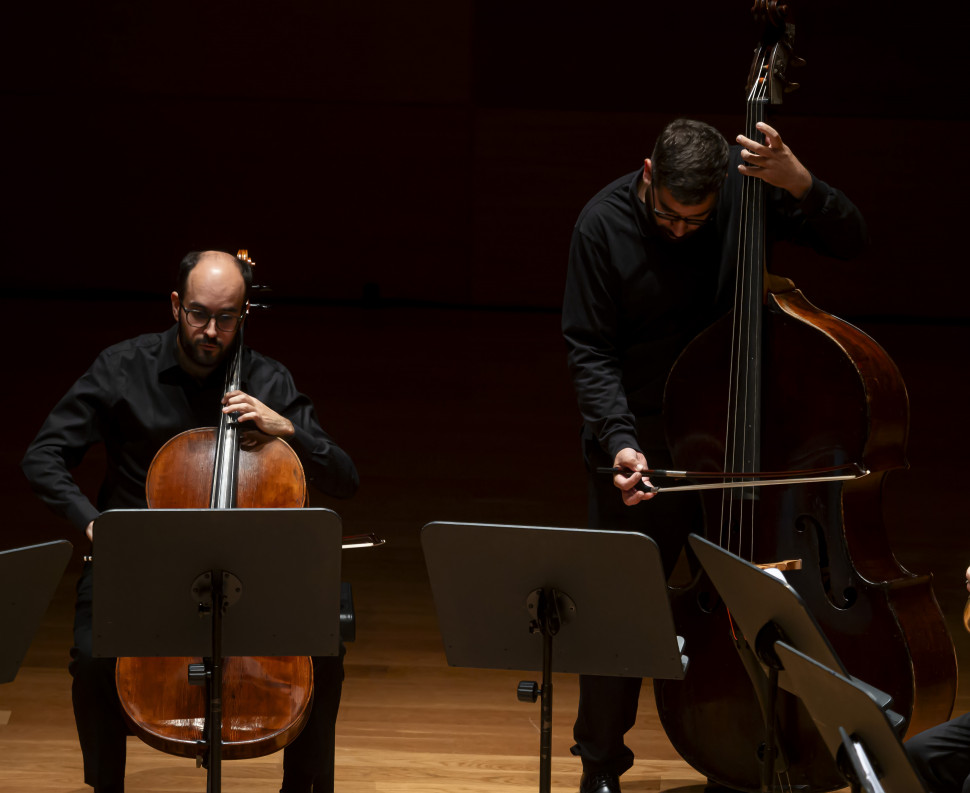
<point x="227" y="442"/>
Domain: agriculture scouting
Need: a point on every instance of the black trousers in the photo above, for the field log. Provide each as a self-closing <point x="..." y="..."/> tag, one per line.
<point x="608" y="705"/>
<point x="102" y="731"/>
<point x="941" y="756"/>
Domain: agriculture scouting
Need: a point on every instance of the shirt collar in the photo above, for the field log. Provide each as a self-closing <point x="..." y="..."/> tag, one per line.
<point x="645" y="227"/>
<point x="168" y="356"/>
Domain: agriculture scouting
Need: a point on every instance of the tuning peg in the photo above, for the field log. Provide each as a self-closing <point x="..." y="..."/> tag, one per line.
<point x="789" y="87"/>
<point x="797" y="62"/>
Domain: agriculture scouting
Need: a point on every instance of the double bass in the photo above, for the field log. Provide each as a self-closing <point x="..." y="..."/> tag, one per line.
<point x="805" y="391"/>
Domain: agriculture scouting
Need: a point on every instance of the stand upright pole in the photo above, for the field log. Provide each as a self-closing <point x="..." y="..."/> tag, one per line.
<point x="215" y="689"/>
<point x="771" y="749"/>
<point x="545" y="734"/>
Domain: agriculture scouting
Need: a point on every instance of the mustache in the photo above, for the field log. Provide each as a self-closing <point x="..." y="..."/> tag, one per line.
<point x="208" y="352"/>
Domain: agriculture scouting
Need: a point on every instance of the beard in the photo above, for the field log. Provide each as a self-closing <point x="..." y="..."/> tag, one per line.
<point x="195" y="352"/>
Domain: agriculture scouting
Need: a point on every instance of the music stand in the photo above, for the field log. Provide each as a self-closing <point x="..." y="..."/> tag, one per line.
<point x="28" y="579"/>
<point x="766" y="608"/>
<point x="276" y="572"/>
<point x="853" y="727"/>
<point x="602" y="594"/>
<point x="758" y="598"/>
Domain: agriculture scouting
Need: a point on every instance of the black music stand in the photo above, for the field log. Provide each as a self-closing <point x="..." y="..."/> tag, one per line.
<point x="28" y="578"/>
<point x="853" y="727"/>
<point x="766" y="609"/>
<point x="275" y="571"/>
<point x="758" y="598"/>
<point x="602" y="594"/>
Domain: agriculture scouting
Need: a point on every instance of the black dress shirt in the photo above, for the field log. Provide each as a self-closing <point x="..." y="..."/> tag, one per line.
<point x="634" y="300"/>
<point x="134" y="398"/>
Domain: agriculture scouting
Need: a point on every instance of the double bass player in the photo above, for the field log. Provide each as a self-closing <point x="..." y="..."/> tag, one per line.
<point x="651" y="265"/>
<point x="134" y="397"/>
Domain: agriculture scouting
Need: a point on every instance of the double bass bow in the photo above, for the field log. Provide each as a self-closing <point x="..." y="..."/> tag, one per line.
<point x="805" y="391"/>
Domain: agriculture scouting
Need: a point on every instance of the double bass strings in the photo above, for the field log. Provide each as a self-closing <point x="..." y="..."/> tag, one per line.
<point x="751" y="269"/>
<point x="741" y="449"/>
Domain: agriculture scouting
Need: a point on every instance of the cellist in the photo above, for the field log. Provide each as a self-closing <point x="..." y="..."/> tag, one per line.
<point x="136" y="396"/>
<point x="651" y="264"/>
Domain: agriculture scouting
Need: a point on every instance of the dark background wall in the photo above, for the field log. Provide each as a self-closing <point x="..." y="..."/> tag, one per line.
<point x="412" y="171"/>
<point x="439" y="150"/>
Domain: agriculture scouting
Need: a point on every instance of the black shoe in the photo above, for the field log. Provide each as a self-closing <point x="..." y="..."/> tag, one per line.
<point x="603" y="782"/>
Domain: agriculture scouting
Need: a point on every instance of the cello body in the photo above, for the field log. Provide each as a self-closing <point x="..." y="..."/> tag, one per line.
<point x="266" y="700"/>
<point x="269" y="473"/>
<point x="835" y="397"/>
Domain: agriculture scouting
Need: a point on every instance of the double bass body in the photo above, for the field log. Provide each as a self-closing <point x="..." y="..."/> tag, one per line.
<point x="804" y="390"/>
<point x="830" y="396"/>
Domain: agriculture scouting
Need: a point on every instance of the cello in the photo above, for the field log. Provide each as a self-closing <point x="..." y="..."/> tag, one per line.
<point x="805" y="391"/>
<point x="265" y="701"/>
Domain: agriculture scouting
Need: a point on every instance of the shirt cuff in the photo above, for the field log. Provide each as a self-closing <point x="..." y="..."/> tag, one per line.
<point x="814" y="201"/>
<point x="81" y="514"/>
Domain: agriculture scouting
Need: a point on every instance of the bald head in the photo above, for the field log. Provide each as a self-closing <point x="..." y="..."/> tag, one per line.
<point x="216" y="281"/>
<point x="216" y="257"/>
<point x="212" y="259"/>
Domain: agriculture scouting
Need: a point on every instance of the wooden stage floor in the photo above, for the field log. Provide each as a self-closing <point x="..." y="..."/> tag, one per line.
<point x="450" y="415"/>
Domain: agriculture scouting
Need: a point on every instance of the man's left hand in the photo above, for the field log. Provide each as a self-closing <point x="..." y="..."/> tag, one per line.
<point x="774" y="162"/>
<point x="248" y="408"/>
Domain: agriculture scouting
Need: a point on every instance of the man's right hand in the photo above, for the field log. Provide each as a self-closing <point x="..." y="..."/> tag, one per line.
<point x="633" y="461"/>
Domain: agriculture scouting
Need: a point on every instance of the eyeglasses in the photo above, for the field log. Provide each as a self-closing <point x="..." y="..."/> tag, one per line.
<point x="198" y="318"/>
<point x="672" y="218"/>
